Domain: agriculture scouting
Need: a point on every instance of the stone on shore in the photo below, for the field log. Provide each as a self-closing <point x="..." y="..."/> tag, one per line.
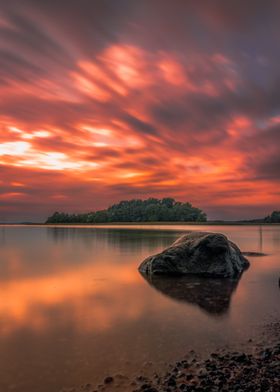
<point x="198" y="253"/>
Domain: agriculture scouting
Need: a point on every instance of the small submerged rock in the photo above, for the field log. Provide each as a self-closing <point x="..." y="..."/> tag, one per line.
<point x="108" y="380"/>
<point x="254" y="254"/>
<point x="198" y="253"/>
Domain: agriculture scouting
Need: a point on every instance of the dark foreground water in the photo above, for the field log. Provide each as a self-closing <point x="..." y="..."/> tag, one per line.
<point x="74" y="309"/>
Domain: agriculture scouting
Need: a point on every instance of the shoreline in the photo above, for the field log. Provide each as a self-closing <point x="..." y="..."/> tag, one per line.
<point x="221" y="371"/>
<point x="255" y="368"/>
<point x="138" y="224"/>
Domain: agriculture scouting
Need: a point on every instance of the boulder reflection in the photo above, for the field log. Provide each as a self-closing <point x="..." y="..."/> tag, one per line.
<point x="211" y="295"/>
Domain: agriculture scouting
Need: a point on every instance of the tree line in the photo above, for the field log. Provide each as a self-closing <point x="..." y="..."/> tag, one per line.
<point x="273" y="218"/>
<point x="137" y="210"/>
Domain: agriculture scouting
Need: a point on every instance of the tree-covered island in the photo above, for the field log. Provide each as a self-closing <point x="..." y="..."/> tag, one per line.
<point x="136" y="210"/>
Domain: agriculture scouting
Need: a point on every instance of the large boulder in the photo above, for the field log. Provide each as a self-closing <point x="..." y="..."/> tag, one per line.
<point x="198" y="253"/>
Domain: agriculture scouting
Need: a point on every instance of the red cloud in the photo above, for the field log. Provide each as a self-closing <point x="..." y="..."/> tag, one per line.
<point x="127" y="121"/>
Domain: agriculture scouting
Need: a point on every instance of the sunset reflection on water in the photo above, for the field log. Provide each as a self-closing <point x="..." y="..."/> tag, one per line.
<point x="74" y="307"/>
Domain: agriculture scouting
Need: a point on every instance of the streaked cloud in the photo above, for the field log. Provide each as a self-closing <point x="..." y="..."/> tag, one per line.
<point x="138" y="99"/>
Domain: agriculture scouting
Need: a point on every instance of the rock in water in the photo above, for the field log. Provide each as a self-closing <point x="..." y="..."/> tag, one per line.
<point x="198" y="253"/>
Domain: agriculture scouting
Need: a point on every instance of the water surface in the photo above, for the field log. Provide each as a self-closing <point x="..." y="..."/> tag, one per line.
<point x="73" y="307"/>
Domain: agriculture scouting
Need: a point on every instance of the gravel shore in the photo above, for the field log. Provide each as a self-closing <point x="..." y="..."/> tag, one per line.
<point x="232" y="371"/>
<point x="254" y="370"/>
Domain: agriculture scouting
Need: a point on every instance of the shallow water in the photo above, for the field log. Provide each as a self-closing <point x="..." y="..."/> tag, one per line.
<point x="74" y="309"/>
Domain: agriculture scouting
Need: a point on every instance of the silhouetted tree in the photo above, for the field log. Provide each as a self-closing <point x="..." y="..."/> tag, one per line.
<point x="273" y="218"/>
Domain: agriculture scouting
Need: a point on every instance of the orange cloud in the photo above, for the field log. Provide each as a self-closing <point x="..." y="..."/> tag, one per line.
<point x="124" y="120"/>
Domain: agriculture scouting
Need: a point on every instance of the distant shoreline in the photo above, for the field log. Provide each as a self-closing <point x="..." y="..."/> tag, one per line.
<point x="161" y="223"/>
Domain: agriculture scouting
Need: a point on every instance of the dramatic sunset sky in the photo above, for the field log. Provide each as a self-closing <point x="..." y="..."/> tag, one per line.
<point x="105" y="100"/>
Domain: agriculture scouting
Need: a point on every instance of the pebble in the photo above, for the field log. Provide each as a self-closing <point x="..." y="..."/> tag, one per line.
<point x="108" y="380"/>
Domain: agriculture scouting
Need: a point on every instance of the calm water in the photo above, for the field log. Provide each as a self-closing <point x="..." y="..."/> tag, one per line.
<point x="73" y="307"/>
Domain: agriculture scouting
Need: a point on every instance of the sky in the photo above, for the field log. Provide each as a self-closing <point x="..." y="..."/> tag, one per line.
<point x="104" y="100"/>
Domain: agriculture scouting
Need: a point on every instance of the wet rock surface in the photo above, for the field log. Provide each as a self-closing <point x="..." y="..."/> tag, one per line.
<point x="198" y="253"/>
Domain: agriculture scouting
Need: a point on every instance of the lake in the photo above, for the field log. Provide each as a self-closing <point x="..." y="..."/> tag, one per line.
<point x="74" y="309"/>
